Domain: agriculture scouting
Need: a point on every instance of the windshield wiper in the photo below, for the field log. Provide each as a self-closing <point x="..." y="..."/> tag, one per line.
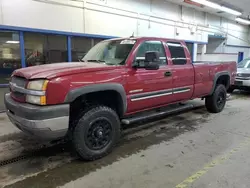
<point x="96" y="60"/>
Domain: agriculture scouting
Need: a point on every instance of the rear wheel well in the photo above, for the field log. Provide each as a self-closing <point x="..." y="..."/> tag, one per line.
<point x="223" y="80"/>
<point x="107" y="98"/>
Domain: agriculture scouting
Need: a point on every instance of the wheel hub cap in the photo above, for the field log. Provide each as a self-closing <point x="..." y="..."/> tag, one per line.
<point x="99" y="134"/>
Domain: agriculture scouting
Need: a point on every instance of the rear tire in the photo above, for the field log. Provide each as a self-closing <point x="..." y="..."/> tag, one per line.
<point x="217" y="101"/>
<point x="96" y="133"/>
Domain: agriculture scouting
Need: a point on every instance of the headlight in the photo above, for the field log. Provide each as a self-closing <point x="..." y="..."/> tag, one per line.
<point x="40" y="100"/>
<point x="39" y="85"/>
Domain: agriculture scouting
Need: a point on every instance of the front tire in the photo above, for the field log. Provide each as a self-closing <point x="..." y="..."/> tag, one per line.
<point x="96" y="133"/>
<point x="217" y="101"/>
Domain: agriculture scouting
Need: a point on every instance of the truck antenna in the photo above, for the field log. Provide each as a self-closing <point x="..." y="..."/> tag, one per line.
<point x="132" y="35"/>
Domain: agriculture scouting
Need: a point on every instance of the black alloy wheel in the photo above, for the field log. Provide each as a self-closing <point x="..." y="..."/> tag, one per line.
<point x="216" y="102"/>
<point x="221" y="100"/>
<point x="96" y="132"/>
<point x="99" y="134"/>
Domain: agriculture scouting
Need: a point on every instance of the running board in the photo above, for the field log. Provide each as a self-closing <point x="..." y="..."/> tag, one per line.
<point x="156" y="114"/>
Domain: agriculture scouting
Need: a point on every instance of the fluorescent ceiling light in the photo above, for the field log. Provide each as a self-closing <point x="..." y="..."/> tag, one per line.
<point x="243" y="21"/>
<point x="231" y="11"/>
<point x="12" y="42"/>
<point x="217" y="6"/>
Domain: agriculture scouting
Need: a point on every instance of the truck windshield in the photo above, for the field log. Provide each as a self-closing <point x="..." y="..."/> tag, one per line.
<point x="113" y="52"/>
<point x="244" y="64"/>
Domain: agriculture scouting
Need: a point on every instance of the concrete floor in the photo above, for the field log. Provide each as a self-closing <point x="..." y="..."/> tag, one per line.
<point x="195" y="149"/>
<point x="6" y="127"/>
<point x="170" y="163"/>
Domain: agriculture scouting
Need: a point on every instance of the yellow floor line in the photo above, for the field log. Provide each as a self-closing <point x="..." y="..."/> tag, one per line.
<point x="214" y="163"/>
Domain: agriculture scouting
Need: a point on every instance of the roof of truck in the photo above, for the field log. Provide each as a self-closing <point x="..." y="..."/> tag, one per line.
<point x="146" y="38"/>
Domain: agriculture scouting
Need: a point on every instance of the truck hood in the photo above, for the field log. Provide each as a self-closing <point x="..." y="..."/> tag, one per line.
<point x="50" y="71"/>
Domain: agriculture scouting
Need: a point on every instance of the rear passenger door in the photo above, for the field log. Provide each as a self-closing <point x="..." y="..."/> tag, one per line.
<point x="182" y="71"/>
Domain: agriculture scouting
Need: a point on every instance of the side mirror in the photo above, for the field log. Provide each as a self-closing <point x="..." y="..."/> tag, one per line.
<point x="152" y="66"/>
<point x="152" y="56"/>
<point x="152" y="60"/>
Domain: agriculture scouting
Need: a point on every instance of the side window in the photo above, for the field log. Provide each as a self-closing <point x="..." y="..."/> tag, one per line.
<point x="151" y="46"/>
<point x="177" y="53"/>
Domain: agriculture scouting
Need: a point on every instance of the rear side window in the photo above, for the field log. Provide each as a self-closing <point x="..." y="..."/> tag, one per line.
<point x="177" y="53"/>
<point x="148" y="46"/>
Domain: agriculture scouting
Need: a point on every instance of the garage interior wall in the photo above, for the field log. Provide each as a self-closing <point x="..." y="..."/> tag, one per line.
<point x="121" y="18"/>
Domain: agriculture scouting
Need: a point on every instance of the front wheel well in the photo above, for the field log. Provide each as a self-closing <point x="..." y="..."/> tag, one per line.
<point x="109" y="98"/>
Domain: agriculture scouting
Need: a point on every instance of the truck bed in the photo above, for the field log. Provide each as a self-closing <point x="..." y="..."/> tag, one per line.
<point x="206" y="71"/>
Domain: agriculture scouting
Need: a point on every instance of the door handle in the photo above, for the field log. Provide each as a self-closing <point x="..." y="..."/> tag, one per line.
<point x="167" y="74"/>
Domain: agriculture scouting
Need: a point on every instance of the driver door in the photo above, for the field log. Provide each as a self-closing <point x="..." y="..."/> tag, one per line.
<point x="149" y="88"/>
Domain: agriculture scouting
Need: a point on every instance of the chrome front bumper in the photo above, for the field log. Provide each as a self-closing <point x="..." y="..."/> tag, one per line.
<point x="43" y="122"/>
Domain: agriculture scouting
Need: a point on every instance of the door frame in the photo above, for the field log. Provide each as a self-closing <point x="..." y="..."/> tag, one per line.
<point x="240" y="56"/>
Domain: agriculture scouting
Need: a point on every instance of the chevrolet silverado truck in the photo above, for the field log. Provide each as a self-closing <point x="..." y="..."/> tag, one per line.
<point x="117" y="82"/>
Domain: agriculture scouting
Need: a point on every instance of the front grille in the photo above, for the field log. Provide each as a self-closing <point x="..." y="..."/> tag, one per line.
<point x="243" y="78"/>
<point x="243" y="75"/>
<point x="20" y="82"/>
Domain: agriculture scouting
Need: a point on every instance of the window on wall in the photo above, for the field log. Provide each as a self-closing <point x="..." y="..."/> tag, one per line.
<point x="79" y="47"/>
<point x="10" y="58"/>
<point x="177" y="53"/>
<point x="43" y="49"/>
<point x="151" y="46"/>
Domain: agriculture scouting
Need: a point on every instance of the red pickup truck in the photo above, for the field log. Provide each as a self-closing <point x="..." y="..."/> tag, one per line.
<point x="116" y="81"/>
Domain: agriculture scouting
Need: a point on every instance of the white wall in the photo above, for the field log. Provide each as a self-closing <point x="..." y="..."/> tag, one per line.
<point x="121" y="18"/>
<point x="217" y="57"/>
<point x="219" y="46"/>
<point x="237" y="49"/>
